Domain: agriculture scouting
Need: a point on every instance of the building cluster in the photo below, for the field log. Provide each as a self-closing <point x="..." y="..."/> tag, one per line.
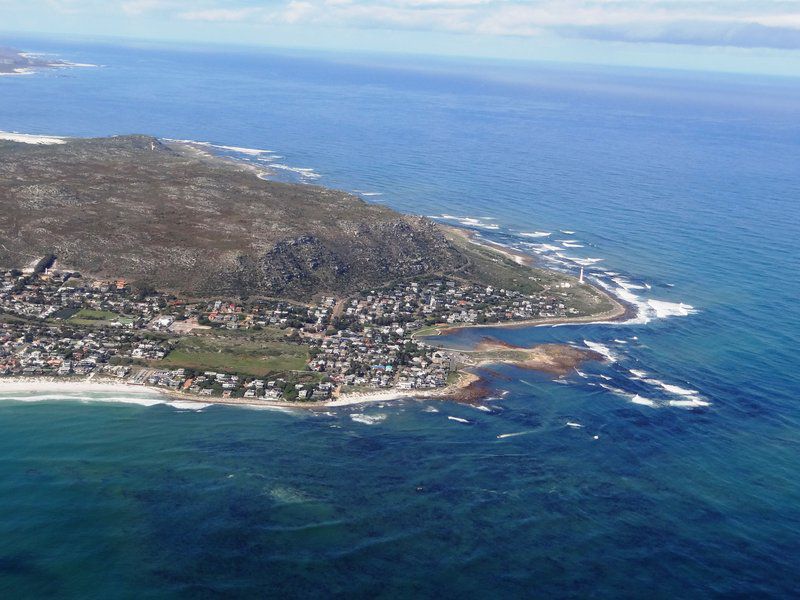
<point x="59" y="323"/>
<point x="442" y="301"/>
<point x="259" y="314"/>
<point x="229" y="385"/>
<point x="379" y="357"/>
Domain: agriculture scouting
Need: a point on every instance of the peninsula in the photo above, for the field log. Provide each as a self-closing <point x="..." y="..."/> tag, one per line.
<point x="14" y="62"/>
<point x="149" y="263"/>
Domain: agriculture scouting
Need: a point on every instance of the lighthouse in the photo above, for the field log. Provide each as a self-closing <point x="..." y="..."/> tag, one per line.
<point x="580" y="279"/>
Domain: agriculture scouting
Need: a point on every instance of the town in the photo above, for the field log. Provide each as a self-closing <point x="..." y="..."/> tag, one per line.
<point x="55" y="322"/>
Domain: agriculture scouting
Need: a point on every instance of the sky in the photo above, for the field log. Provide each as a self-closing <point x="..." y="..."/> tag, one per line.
<point x="752" y="36"/>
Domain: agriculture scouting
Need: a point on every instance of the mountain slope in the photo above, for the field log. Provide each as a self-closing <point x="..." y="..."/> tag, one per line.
<point x="173" y="217"/>
<point x="137" y="208"/>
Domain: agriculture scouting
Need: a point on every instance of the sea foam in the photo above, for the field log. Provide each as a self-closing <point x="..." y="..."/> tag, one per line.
<point x="140" y="400"/>
<point x="469" y="221"/>
<point x="647" y="309"/>
<point x="503" y="436"/>
<point x="458" y="419"/>
<point x="664" y="309"/>
<point x="601" y="349"/>
<point x="367" y="419"/>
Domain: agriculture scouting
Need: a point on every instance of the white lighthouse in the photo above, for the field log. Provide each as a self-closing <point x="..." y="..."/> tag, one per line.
<point x="580" y="279"/>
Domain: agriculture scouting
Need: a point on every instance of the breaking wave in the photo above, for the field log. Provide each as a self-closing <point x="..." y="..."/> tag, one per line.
<point x="479" y="223"/>
<point x="459" y="420"/>
<point x="601" y="349"/>
<point x="368" y="419"/>
<point x="105" y="399"/>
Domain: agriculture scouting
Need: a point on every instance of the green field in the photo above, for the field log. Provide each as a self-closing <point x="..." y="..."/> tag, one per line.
<point x="74" y="282"/>
<point x="489" y="266"/>
<point x="431" y="330"/>
<point x="88" y="316"/>
<point x="257" y="355"/>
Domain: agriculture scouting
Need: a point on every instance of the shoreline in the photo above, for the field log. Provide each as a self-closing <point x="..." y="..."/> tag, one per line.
<point x="468" y="389"/>
<point x="620" y="307"/>
<point x="467" y="385"/>
<point x="620" y="312"/>
<point x="70" y="386"/>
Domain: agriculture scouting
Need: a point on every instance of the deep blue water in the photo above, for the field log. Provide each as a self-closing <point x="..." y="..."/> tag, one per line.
<point x="684" y="477"/>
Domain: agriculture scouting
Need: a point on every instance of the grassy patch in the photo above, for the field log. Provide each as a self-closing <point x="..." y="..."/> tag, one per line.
<point x="9" y="318"/>
<point x="88" y="316"/>
<point x="426" y="331"/>
<point x="245" y="354"/>
<point x="252" y="364"/>
<point x="74" y="282"/>
<point x="357" y="389"/>
<point x="65" y="313"/>
<point x="501" y="355"/>
<point x="489" y="266"/>
<point x="237" y="336"/>
<point x="453" y="377"/>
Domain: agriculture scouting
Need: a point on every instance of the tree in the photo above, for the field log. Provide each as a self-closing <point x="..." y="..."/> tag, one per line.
<point x="44" y="263"/>
<point x="143" y="289"/>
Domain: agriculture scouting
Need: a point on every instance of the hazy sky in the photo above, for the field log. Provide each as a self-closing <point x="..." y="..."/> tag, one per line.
<point x="726" y="35"/>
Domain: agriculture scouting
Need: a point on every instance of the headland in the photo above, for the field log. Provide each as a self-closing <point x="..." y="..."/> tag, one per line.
<point x="153" y="264"/>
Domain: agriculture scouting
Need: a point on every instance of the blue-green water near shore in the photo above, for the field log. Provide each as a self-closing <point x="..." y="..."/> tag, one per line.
<point x="671" y="470"/>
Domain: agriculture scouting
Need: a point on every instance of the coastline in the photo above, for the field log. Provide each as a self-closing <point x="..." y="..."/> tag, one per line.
<point x="467" y="388"/>
<point x="71" y="386"/>
<point x="621" y="311"/>
<point x="22" y="384"/>
<point x="619" y="314"/>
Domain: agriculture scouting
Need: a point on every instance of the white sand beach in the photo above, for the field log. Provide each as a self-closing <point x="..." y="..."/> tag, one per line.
<point x="367" y="398"/>
<point x="28" y="138"/>
<point x="108" y="390"/>
<point x="22" y="385"/>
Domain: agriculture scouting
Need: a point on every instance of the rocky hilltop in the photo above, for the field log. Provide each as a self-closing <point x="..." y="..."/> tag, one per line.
<point x="135" y="207"/>
<point x="169" y="216"/>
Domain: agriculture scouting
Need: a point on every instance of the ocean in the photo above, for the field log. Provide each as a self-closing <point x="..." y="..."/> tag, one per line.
<point x="671" y="470"/>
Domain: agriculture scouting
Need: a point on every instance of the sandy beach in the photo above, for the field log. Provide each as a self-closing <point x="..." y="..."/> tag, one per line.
<point x="55" y="385"/>
<point x="18" y="388"/>
<point x="468" y="388"/>
<point x="30" y="138"/>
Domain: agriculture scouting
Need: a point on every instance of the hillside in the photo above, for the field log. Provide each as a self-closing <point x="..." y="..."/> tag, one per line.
<point x="170" y="217"/>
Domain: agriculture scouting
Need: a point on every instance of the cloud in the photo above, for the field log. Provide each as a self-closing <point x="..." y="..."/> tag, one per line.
<point x="740" y="35"/>
<point x="218" y="14"/>
<point x="298" y="10"/>
<point x="138" y="7"/>
<point x="737" y="23"/>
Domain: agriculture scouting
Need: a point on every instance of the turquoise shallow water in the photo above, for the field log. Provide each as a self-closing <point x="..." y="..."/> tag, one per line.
<point x="685" y="186"/>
